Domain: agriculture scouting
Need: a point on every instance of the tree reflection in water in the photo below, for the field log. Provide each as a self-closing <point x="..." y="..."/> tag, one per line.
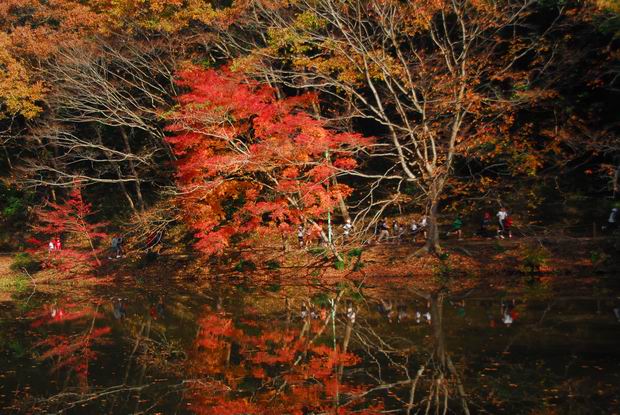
<point x="73" y="351"/>
<point x="256" y="368"/>
<point x="265" y="354"/>
<point x="264" y="367"/>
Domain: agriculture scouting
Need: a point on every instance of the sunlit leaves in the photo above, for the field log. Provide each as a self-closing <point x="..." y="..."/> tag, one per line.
<point x="249" y="162"/>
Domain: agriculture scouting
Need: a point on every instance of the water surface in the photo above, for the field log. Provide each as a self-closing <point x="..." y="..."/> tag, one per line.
<point x="241" y="349"/>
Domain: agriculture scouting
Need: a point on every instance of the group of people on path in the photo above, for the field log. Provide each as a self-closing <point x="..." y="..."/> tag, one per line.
<point x="55" y="244"/>
<point x="117" y="242"/>
<point x="397" y="230"/>
<point x="504" y="221"/>
<point x="315" y="233"/>
<point x="504" y="227"/>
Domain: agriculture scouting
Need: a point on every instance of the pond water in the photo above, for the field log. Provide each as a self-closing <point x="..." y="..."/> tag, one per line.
<point x="240" y="349"/>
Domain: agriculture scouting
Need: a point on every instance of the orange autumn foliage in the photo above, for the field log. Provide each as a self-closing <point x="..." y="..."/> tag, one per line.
<point x="249" y="163"/>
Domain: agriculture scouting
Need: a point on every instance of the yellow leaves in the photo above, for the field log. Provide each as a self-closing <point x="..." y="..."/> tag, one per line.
<point x="486" y="183"/>
<point x="486" y="6"/>
<point x="164" y="15"/>
<point x="610" y="5"/>
<point x="419" y="14"/>
<point x="309" y="21"/>
<point x="30" y="32"/>
<point x="282" y="37"/>
<point x="530" y="164"/>
<point x="295" y="38"/>
<point x="18" y="92"/>
<point x="246" y="63"/>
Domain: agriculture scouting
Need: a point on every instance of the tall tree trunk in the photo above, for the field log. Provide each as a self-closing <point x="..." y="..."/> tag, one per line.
<point x="54" y="161"/>
<point x="432" y="239"/>
<point x="134" y="173"/>
<point x="344" y="210"/>
<point x="432" y="236"/>
<point x="117" y="170"/>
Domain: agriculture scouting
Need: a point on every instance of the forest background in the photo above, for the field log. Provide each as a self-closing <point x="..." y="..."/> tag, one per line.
<point x="240" y="120"/>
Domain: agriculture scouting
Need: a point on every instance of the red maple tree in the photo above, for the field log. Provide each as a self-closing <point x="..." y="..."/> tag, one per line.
<point x="250" y="163"/>
<point x="70" y="242"/>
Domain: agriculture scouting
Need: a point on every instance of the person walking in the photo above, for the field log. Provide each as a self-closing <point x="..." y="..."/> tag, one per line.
<point x="397" y="231"/>
<point x="346" y="229"/>
<point x="419" y="228"/>
<point x="501" y="217"/>
<point x="384" y="231"/>
<point x="484" y="232"/>
<point x="457" y="226"/>
<point x="508" y="226"/>
<point x="415" y="230"/>
<point x="612" y="221"/>
<point x="117" y="246"/>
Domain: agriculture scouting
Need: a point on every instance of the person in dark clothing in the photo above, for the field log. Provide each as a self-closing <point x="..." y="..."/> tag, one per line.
<point x="485" y="222"/>
<point x="118" y="309"/>
<point x="117" y="246"/>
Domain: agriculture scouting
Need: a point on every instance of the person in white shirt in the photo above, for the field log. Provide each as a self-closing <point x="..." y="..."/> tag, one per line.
<point x="347" y="227"/>
<point x="612" y="221"/>
<point x="415" y="230"/>
<point x="397" y="230"/>
<point x="423" y="225"/>
<point x="507" y="319"/>
<point x="501" y="216"/>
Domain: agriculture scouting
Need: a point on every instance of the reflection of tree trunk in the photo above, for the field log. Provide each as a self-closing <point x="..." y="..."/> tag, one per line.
<point x="437" y="326"/>
<point x="138" y="398"/>
<point x="112" y="404"/>
<point x="345" y="345"/>
<point x="440" y="351"/>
